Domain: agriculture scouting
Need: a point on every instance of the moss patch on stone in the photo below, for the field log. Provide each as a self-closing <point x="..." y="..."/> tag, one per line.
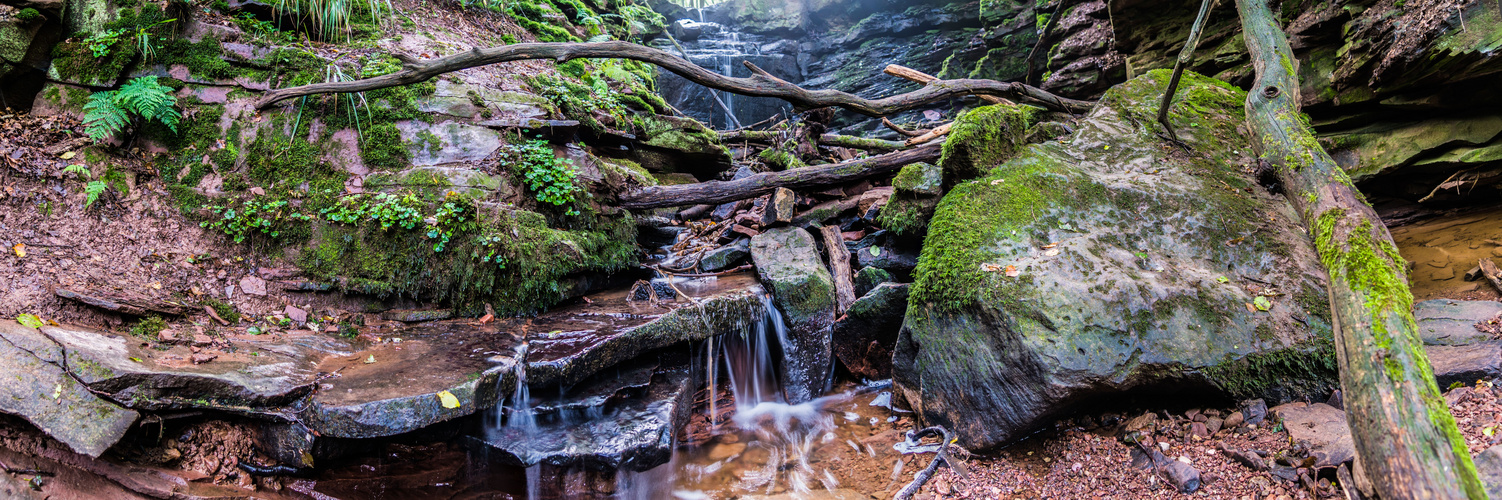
<point x="982" y="138"/>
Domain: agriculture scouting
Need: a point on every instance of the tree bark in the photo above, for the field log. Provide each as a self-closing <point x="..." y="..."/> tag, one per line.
<point x="759" y="84"/>
<point x="716" y="192"/>
<point x="1406" y="440"/>
<point x="914" y="75"/>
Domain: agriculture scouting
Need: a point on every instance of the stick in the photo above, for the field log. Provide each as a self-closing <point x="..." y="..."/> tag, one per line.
<point x="1178" y="66"/>
<point x="927" y="473"/>
<point x="1406" y="440"/>
<point x="911" y="74"/>
<point x="759" y="84"/>
<point x="940" y="131"/>
<point x="704" y="275"/>
<point x="716" y="192"/>
<point x="1489" y="269"/>
<point x="898" y="128"/>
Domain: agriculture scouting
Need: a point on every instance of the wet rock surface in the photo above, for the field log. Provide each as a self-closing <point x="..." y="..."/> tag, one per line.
<point x="46" y="395"/>
<point x="789" y="264"/>
<point x="1453" y="322"/>
<point x="636" y="434"/>
<point x="864" y="337"/>
<point x="1465" y="363"/>
<point x="572" y="343"/>
<point x="1087" y="268"/>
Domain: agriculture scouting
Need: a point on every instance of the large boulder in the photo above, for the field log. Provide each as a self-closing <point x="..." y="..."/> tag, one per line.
<point x="1113" y="262"/>
<point x="864" y="337"/>
<point x="1453" y="322"/>
<point x="43" y="393"/>
<point x="789" y="264"/>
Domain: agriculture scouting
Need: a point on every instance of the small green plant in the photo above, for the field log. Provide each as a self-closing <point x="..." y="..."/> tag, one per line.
<point x="225" y="310"/>
<point x="149" y="327"/>
<point x="79" y="171"/>
<point x="28" y="15"/>
<point x="452" y="217"/>
<point x="328" y="17"/>
<point x="107" y="113"/>
<point x="93" y="189"/>
<point x="101" y="43"/>
<point x="550" y="179"/>
<point x="254" y="216"/>
<point x="387" y="210"/>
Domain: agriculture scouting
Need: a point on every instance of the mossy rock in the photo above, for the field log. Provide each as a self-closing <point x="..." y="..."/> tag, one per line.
<point x="1386" y="147"/>
<point x="982" y="138"/>
<point x="1109" y="263"/>
<point x="788" y="262"/>
<point x="435" y="183"/>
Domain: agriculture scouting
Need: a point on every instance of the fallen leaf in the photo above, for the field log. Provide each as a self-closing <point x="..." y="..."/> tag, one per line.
<point x="57" y="391"/>
<point x="30" y="321"/>
<point x="370" y="359"/>
<point x="1223" y="279"/>
<point x="1012" y="272"/>
<point x="1249" y="307"/>
<point x="1262" y="303"/>
<point x="138" y="360"/>
<point x="875" y="251"/>
<point x="68" y="155"/>
<point x="20" y="249"/>
<point x="448" y="399"/>
<point x="990" y="268"/>
<point x="1050" y="245"/>
<point x="487" y="318"/>
<point x="1051" y="252"/>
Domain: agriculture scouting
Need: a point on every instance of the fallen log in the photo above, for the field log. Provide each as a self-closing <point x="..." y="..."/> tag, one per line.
<point x="1406" y="441"/>
<point x="911" y="74"/>
<point x="937" y="132"/>
<point x="843" y="141"/>
<point x="898" y="128"/>
<point x="133" y="306"/>
<point x="839" y="268"/>
<point x="716" y="192"/>
<point x="759" y="84"/>
<point x="1492" y="274"/>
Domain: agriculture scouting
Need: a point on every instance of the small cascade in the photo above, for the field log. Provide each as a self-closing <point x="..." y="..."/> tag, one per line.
<point x="714" y="48"/>
<point x="519" y="422"/>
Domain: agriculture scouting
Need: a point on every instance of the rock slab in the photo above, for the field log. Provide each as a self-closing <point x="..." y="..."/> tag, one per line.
<point x="1321" y="429"/>
<point x="788" y="262"/>
<point x="864" y="337"/>
<point x="37" y="389"/>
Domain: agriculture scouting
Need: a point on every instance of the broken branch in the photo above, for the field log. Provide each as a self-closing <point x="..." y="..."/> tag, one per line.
<point x="759" y="84"/>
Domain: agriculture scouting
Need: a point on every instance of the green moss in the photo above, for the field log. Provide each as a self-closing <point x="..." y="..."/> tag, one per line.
<point x="1306" y="369"/>
<point x="382" y="147"/>
<point x="149" y="327"/>
<point x="781" y="158"/>
<point x="28" y="15"/>
<point x="225" y="310"/>
<point x="983" y="137"/>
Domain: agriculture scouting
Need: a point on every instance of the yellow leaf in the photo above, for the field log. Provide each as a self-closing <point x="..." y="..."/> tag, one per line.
<point x="20" y="249"/>
<point x="69" y="155"/>
<point x="370" y="359"/>
<point x="448" y="399"/>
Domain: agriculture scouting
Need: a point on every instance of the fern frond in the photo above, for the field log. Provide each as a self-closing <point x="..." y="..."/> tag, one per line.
<point x="102" y="117"/>
<point x="93" y="189"/>
<point x="151" y="100"/>
<point x="80" y="170"/>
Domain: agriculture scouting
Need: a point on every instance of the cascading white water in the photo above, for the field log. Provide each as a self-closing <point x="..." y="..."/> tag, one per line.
<point x="521" y="420"/>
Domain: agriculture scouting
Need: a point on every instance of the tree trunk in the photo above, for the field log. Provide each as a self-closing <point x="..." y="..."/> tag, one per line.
<point x="716" y="192"/>
<point x="1406" y="439"/>
<point x="759" y="84"/>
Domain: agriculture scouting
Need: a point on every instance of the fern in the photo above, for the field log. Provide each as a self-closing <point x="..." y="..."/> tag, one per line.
<point x="80" y="170"/>
<point x="93" y="189"/>
<point x="102" y="116"/>
<point x="108" y="112"/>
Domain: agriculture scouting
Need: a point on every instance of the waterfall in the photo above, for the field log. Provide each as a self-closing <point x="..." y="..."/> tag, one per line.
<point x="520" y="421"/>
<point x="752" y="361"/>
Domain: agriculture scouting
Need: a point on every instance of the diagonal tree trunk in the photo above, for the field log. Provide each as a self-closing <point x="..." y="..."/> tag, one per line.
<point x="1406" y="439"/>
<point x="759" y="84"/>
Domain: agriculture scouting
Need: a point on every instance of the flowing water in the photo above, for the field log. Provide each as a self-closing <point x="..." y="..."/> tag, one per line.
<point x="725" y="52"/>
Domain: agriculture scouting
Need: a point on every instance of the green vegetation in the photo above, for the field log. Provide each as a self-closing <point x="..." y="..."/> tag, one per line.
<point x="28" y="15"/>
<point x="550" y="179"/>
<point x="384" y="209"/>
<point x="108" y="112"/>
<point x="225" y="310"/>
<point x="983" y="137"/>
<point x="256" y="215"/>
<point x="149" y="327"/>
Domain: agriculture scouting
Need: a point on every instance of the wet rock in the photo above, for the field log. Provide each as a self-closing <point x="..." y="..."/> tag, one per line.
<point x="570" y="344"/>
<point x="417" y="315"/>
<point x="1247" y="458"/>
<point x="1254" y="411"/>
<point x="780" y="208"/>
<point x="1320" y="429"/>
<point x="726" y="256"/>
<point x="917" y="189"/>
<point x="123" y="304"/>
<point x="656" y="232"/>
<point x="594" y="393"/>
<point x="637" y="434"/>
<point x="402" y="390"/>
<point x="50" y="398"/>
<point x="886" y="250"/>
<point x="1184" y="477"/>
<point x="864" y="337"/>
<point x="1452" y="322"/>
<point x="1465" y="363"/>
<point x="1489" y="469"/>
<point x="146" y="378"/>
<point x="869" y="277"/>
<point x="1024" y="298"/>
<point x="788" y="262"/>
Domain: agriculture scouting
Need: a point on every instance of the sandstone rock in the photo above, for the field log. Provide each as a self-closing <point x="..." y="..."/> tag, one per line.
<point x="1051" y="281"/>
<point x="1321" y="429"/>
<point x="789" y="264"/>
<point x="725" y="256"/>
<point x="1452" y="322"/>
<point x="1489" y="468"/>
<point x="50" y="398"/>
<point x="252" y="285"/>
<point x="1465" y="363"/>
<point x="864" y="337"/>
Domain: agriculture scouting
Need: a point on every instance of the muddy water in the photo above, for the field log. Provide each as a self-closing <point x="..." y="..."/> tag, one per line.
<point x="1443" y="249"/>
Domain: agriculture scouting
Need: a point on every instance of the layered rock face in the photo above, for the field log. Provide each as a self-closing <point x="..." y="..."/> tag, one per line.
<point x="1108" y="263"/>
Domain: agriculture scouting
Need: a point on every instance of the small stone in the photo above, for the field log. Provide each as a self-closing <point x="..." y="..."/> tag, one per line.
<point x="1235" y="420"/>
<point x="1198" y="429"/>
<point x="1247" y="458"/>
<point x="1213" y="424"/>
<point x="199" y="359"/>
<point x="1182" y="476"/>
<point x="252" y="285"/>
<point x="1254" y="411"/>
<point x="202" y="340"/>
<point x="781" y="208"/>
<point x="296" y="314"/>
<point x="167" y="336"/>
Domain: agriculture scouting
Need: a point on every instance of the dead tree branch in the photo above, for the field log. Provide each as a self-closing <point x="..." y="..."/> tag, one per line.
<point x="716" y="192"/>
<point x="759" y="84"/>
<point x="1406" y="440"/>
<point x="1185" y="55"/>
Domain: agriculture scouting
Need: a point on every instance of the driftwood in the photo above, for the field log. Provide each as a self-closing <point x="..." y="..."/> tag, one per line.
<point x="898" y="128"/>
<point x="937" y="132"/>
<point x="839" y="268"/>
<point x="1407" y="444"/>
<point x="927" y="473"/>
<point x="1492" y="274"/>
<point x="759" y="84"/>
<point x="716" y="192"/>
<point x="1185" y="55"/>
<point x="907" y="73"/>
<point x="133" y="306"/>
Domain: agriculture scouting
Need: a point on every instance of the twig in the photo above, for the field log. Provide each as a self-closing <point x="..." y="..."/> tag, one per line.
<point x="927" y="473"/>
<point x="15" y="470"/>
<point x="898" y="128"/>
<point x="1178" y="66"/>
<point x="703" y="275"/>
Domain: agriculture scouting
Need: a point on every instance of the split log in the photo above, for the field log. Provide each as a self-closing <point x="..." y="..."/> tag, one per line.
<point x="937" y="132"/>
<point x="911" y="74"/>
<point x="1406" y="440"/>
<point x="839" y="268"/>
<point x="1492" y="274"/>
<point x="133" y="306"/>
<point x="714" y="192"/>
<point x="759" y="84"/>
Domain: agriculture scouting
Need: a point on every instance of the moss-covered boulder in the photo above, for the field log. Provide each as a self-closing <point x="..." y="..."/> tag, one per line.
<point x="864" y="336"/>
<point x="983" y="137"/>
<point x="1113" y="262"/>
<point x="915" y="194"/>
<point x="788" y="263"/>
